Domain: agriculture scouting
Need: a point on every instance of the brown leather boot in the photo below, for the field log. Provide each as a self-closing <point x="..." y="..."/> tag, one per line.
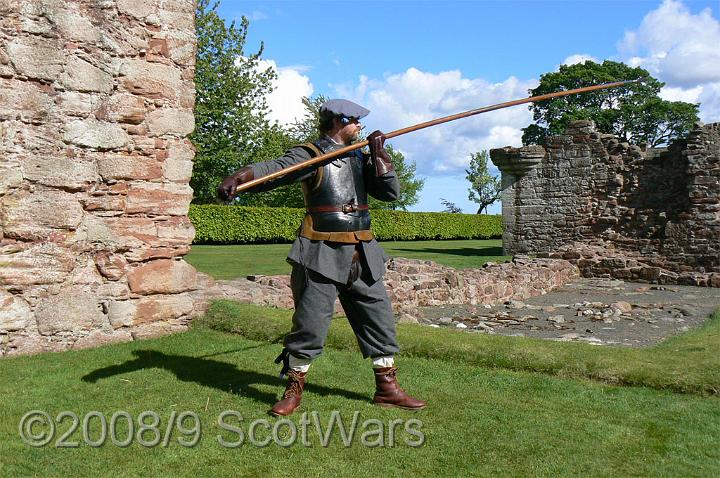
<point x="291" y="397"/>
<point x="389" y="394"/>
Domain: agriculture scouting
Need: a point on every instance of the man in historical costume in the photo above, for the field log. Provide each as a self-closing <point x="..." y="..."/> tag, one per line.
<point x="335" y="253"/>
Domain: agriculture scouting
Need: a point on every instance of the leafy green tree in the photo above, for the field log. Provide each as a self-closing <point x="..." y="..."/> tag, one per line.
<point x="230" y="107"/>
<point x="484" y="187"/>
<point x="307" y="128"/>
<point x="635" y="112"/>
<point x="410" y="186"/>
<point x="275" y="141"/>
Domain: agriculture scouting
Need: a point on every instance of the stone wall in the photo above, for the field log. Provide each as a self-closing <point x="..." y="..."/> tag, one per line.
<point x="413" y="283"/>
<point x="640" y="215"/>
<point x="96" y="101"/>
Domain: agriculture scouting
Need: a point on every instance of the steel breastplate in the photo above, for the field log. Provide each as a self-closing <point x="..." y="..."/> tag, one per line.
<point x="340" y="183"/>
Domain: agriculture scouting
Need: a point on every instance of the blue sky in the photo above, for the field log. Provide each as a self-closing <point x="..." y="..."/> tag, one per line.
<point x="410" y="61"/>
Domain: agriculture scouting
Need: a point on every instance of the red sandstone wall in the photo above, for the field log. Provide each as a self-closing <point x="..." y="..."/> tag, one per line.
<point x="96" y="101"/>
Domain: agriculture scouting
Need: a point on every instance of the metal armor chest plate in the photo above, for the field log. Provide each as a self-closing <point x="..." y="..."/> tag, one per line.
<point x="341" y="182"/>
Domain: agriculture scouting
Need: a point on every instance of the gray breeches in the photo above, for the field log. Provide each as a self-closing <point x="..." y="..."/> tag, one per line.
<point x="366" y="306"/>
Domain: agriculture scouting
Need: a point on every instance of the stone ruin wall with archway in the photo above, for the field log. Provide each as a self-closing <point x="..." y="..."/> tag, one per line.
<point x="96" y="102"/>
<point x="614" y="209"/>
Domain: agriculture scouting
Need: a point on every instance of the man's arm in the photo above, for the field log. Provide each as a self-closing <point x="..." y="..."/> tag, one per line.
<point x="295" y="155"/>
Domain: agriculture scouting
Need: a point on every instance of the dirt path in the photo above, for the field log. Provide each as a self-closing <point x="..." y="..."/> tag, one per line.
<point x="598" y="311"/>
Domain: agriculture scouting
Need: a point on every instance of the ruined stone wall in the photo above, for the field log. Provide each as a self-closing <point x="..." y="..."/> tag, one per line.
<point x="413" y="283"/>
<point x="96" y="101"/>
<point x="656" y="212"/>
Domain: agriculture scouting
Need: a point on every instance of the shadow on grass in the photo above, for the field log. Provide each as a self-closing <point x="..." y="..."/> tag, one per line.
<point x="463" y="251"/>
<point x="211" y="373"/>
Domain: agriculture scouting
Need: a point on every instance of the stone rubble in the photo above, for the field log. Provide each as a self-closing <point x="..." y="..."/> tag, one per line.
<point x="628" y="315"/>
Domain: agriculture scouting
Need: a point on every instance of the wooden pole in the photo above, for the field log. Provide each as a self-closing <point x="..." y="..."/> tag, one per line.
<point x="427" y="124"/>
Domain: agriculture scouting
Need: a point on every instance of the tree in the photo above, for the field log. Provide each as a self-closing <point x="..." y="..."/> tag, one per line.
<point x="410" y="186"/>
<point x="484" y="187"/>
<point x="230" y="107"/>
<point x="450" y="206"/>
<point x="307" y="128"/>
<point x="635" y="113"/>
<point x="275" y="141"/>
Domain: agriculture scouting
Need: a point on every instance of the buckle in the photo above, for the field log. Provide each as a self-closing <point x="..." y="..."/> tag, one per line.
<point x="346" y="208"/>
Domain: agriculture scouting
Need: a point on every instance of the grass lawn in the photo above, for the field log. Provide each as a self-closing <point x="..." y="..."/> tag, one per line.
<point x="482" y="420"/>
<point x="228" y="262"/>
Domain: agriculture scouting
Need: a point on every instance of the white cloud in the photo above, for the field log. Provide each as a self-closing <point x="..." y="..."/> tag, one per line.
<point x="415" y="96"/>
<point x="690" y="95"/>
<point x="285" y="101"/>
<point x="680" y="48"/>
<point x="676" y="45"/>
<point x="710" y="103"/>
<point x="579" y="58"/>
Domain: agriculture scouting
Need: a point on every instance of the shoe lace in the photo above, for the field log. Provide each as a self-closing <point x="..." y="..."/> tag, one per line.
<point x="391" y="372"/>
<point x="293" y="388"/>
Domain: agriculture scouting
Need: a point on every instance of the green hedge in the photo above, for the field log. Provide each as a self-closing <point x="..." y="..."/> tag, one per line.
<point x="239" y="224"/>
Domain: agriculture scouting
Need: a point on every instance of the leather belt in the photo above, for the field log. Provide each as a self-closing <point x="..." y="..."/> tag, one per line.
<point x="346" y="208"/>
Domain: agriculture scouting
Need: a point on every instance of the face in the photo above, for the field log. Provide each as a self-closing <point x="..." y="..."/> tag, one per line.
<point x="350" y="131"/>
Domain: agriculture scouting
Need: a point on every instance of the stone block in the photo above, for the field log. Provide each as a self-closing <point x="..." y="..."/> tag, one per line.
<point x="142" y="254"/>
<point x="72" y="25"/>
<point x="36" y="57"/>
<point x="73" y="309"/>
<point x="105" y="205"/>
<point x="95" y="134"/>
<point x="61" y="172"/>
<point x="121" y="313"/>
<point x="179" y="18"/>
<point x="122" y="108"/>
<point x="10" y="174"/>
<point x="129" y="166"/>
<point x="81" y="75"/>
<point x="114" y="290"/>
<point x="137" y="8"/>
<point x="111" y="266"/>
<point x="152" y="80"/>
<point x="162" y="308"/>
<point x="182" y="49"/>
<point x="126" y="40"/>
<point x="73" y="103"/>
<point x="15" y="313"/>
<point x="170" y="121"/>
<point x="163" y="276"/>
<point x="97" y="338"/>
<point x="9" y="6"/>
<point x="24" y="215"/>
<point x="24" y="100"/>
<point x="95" y="229"/>
<point x="131" y="233"/>
<point x="33" y="264"/>
<point x="85" y="273"/>
<point x="159" y="199"/>
<point x="179" y="162"/>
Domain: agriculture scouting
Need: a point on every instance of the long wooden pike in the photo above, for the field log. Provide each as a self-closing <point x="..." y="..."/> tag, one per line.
<point x="427" y="124"/>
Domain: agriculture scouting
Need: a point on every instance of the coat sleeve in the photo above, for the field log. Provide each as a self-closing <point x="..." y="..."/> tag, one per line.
<point x="385" y="187"/>
<point x="291" y="157"/>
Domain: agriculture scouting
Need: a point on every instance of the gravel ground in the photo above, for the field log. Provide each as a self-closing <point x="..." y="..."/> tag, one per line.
<point x="597" y="311"/>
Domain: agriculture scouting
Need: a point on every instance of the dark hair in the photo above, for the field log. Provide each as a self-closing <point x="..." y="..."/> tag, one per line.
<point x="326" y="123"/>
